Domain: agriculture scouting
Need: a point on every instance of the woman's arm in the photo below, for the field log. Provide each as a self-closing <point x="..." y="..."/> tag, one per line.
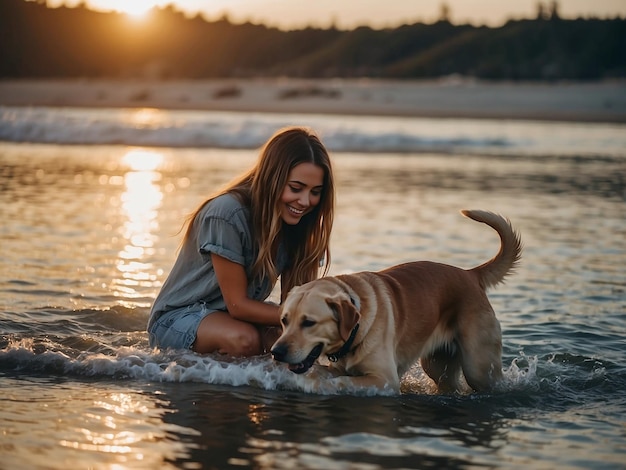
<point x="234" y="285"/>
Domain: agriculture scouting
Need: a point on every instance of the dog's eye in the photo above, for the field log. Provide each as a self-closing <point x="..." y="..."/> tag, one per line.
<point x="306" y="323"/>
<point x="284" y="321"/>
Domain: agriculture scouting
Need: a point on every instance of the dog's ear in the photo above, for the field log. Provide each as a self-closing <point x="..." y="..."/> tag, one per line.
<point x="347" y="316"/>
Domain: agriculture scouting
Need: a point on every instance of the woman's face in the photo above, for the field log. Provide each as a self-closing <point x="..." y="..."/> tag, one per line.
<point x="302" y="192"/>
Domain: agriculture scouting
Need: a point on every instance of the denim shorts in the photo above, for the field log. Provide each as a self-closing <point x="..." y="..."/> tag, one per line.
<point x="177" y="329"/>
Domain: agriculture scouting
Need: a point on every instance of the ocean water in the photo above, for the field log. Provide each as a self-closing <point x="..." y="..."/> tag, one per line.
<point x="92" y="202"/>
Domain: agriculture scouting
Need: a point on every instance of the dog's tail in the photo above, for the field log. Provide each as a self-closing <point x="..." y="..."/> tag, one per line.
<point x="504" y="263"/>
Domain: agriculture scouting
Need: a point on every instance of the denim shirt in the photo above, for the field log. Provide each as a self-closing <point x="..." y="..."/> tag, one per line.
<point x="223" y="226"/>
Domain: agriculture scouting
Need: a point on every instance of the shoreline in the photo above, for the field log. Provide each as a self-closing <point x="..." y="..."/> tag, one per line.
<point x="445" y="98"/>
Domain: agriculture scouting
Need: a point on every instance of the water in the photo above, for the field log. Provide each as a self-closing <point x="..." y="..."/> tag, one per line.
<point x="92" y="202"/>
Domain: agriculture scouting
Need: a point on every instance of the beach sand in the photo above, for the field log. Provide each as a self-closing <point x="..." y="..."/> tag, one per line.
<point x="450" y="97"/>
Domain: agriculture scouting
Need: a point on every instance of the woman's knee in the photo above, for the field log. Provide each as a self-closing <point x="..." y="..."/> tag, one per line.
<point x="219" y="332"/>
<point x="242" y="342"/>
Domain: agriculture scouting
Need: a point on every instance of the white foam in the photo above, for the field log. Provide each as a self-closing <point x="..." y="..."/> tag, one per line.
<point x="261" y="371"/>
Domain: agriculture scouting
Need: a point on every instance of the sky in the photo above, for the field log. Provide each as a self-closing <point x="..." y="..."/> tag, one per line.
<point x="348" y="14"/>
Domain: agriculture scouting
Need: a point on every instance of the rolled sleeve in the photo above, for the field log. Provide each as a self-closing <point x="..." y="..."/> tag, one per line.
<point x="223" y="238"/>
<point x="224" y="229"/>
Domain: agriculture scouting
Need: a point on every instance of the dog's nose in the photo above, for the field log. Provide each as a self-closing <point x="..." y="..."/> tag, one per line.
<point x="279" y="352"/>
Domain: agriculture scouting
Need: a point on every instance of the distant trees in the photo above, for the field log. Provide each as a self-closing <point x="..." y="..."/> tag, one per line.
<point x="37" y="41"/>
<point x="444" y="12"/>
<point x="548" y="12"/>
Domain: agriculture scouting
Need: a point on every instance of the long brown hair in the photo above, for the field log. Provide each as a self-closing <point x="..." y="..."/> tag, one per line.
<point x="261" y="188"/>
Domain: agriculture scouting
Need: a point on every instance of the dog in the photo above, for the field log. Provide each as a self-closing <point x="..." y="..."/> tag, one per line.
<point x="373" y="326"/>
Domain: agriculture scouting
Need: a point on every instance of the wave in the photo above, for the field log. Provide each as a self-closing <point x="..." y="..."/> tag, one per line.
<point x="206" y="129"/>
<point x="112" y="343"/>
<point x="30" y="356"/>
<point x="202" y="129"/>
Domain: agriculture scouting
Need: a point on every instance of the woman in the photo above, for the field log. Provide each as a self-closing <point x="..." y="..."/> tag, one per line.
<point x="273" y="221"/>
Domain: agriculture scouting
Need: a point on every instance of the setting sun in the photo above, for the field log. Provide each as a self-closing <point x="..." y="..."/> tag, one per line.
<point x="134" y="8"/>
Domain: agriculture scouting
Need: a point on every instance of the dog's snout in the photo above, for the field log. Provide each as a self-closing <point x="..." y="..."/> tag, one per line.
<point x="279" y="351"/>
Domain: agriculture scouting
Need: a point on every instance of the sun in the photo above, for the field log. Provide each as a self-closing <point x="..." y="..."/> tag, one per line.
<point x="134" y="8"/>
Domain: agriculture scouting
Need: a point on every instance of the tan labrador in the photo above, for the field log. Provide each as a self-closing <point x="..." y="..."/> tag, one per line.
<point x="374" y="326"/>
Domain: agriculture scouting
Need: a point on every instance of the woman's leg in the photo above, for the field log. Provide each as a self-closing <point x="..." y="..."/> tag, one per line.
<point x="219" y="332"/>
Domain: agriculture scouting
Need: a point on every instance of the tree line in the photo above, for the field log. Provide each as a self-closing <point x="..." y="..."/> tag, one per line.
<point x="69" y="42"/>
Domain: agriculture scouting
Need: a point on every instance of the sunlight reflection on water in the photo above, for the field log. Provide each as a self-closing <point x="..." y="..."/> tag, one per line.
<point x="139" y="203"/>
<point x="100" y="426"/>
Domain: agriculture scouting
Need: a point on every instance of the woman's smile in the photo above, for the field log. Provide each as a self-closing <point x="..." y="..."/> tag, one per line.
<point x="302" y="192"/>
<point x="295" y="211"/>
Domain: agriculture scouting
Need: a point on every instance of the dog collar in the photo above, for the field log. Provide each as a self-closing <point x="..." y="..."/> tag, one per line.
<point x="345" y="349"/>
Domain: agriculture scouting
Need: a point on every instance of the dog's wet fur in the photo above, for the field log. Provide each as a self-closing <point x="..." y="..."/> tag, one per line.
<point x="437" y="313"/>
